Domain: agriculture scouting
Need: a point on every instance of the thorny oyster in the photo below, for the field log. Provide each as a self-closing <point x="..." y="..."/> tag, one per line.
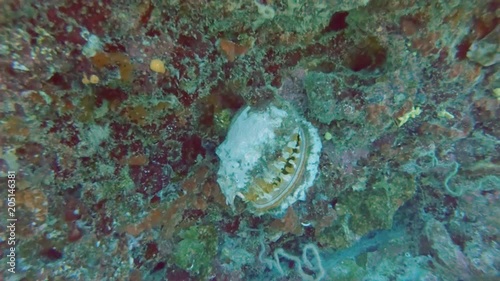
<point x="269" y="159"/>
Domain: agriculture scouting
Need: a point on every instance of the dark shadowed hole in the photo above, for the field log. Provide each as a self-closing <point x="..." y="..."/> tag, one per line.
<point x="52" y="254"/>
<point x="369" y="55"/>
<point x="159" y="266"/>
<point x="462" y="49"/>
<point x="337" y="21"/>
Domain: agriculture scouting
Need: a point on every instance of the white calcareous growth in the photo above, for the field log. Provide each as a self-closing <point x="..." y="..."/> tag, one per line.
<point x="269" y="158"/>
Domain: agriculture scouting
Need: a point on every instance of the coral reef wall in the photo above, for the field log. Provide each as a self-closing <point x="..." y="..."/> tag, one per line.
<point x="111" y="113"/>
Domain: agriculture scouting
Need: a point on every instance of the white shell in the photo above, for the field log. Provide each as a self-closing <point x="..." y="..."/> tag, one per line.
<point x="270" y="158"/>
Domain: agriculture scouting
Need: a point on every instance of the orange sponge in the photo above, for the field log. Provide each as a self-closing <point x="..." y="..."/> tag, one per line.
<point x="120" y="60"/>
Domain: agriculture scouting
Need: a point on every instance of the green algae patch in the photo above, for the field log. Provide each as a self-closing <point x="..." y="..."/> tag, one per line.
<point x="196" y="251"/>
<point x="360" y="212"/>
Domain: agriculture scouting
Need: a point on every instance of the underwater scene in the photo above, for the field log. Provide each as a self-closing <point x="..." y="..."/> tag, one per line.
<point x="252" y="140"/>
